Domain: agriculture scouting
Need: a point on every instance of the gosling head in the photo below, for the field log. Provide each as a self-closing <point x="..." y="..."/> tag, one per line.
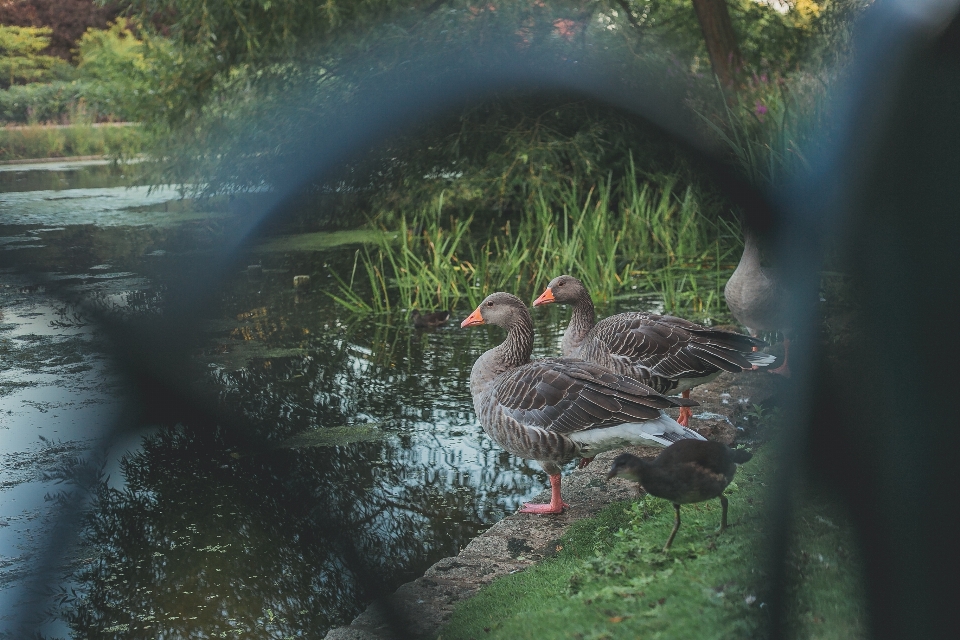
<point x="628" y="466"/>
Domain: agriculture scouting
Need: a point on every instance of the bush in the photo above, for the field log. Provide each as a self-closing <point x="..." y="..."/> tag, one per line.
<point x="41" y="102"/>
<point x="119" y="69"/>
<point x="113" y="79"/>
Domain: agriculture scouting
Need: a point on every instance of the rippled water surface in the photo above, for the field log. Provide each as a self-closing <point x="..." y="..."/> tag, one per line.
<point x="295" y="464"/>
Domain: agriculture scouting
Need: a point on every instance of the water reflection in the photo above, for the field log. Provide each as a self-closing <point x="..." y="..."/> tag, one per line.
<point x="241" y="524"/>
<point x="90" y="174"/>
<point x="273" y="541"/>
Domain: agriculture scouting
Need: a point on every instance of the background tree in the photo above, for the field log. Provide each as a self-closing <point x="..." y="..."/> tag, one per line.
<point x="20" y="58"/>
<point x="67" y="19"/>
<point x="720" y="39"/>
<point x="244" y="75"/>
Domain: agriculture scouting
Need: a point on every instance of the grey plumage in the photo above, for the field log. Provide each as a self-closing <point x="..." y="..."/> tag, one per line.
<point x="755" y="293"/>
<point x="668" y="353"/>
<point x="757" y="297"/>
<point x="557" y="409"/>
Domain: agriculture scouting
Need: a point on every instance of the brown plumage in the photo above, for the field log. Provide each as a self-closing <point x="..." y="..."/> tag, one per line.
<point x="687" y="471"/>
<point x="557" y="409"/>
<point x="429" y="320"/>
<point x="670" y="354"/>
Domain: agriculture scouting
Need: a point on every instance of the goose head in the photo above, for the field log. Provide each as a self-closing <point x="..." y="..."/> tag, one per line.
<point x="502" y="309"/>
<point x="563" y="290"/>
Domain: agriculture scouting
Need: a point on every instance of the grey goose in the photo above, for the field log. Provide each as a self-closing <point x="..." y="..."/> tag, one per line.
<point x="557" y="409"/>
<point x="756" y="296"/>
<point x="670" y="354"/>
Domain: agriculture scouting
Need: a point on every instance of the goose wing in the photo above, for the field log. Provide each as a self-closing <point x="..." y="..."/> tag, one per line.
<point x="672" y="347"/>
<point x="566" y="395"/>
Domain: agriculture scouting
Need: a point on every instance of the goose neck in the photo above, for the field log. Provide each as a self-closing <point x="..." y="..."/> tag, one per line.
<point x="516" y="349"/>
<point x="751" y="246"/>
<point x="584" y="315"/>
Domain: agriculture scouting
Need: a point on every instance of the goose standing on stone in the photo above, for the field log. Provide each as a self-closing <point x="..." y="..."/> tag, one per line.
<point x="757" y="298"/>
<point x="558" y="409"/>
<point x="670" y="354"/>
<point x="687" y="471"/>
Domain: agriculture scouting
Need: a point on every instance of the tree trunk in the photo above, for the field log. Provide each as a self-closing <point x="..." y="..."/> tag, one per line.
<point x="720" y="38"/>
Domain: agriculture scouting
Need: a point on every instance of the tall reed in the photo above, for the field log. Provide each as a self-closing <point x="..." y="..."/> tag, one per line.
<point x="632" y="237"/>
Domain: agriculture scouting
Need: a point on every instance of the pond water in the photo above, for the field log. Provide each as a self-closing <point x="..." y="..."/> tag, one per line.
<point x="311" y="461"/>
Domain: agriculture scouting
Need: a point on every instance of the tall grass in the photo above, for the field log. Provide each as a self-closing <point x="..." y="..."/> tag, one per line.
<point x="635" y="238"/>
<point x="42" y="141"/>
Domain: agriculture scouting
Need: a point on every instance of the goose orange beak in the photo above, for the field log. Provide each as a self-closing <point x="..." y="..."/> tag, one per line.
<point x="473" y="319"/>
<point x="545" y="298"/>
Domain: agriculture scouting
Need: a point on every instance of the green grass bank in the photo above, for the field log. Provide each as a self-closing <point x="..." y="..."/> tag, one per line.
<point x="609" y="578"/>
<point x="63" y="141"/>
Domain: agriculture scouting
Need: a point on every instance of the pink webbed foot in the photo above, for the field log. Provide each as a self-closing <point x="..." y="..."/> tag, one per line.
<point x="556" y="502"/>
<point x="530" y="507"/>
<point x="584" y="462"/>
<point x="784" y="369"/>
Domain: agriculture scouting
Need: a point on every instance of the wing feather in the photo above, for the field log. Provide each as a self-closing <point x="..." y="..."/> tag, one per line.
<point x="669" y="347"/>
<point x="566" y="395"/>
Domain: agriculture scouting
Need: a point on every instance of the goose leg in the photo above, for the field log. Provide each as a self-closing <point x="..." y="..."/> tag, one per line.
<point x="784" y="369"/>
<point x="685" y="413"/>
<point x="556" y="502"/>
<point x="723" y="517"/>
<point x="676" y="527"/>
<point x="584" y="462"/>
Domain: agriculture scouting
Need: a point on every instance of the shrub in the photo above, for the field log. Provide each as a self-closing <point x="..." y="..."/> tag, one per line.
<point x="41" y="102"/>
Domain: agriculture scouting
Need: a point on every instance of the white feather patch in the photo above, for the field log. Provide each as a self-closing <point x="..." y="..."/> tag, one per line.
<point x="660" y="432"/>
<point x="761" y="359"/>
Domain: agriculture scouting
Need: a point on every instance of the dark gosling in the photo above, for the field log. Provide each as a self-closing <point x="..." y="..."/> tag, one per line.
<point x="429" y="320"/>
<point x="687" y="471"/>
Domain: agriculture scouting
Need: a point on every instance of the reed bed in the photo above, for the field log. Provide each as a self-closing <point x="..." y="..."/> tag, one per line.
<point x="635" y="238"/>
<point x="44" y="141"/>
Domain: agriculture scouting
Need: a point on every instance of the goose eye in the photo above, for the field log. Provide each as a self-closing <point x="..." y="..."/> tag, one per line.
<point x="489" y="304"/>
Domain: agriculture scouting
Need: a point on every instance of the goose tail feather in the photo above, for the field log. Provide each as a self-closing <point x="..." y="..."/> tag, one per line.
<point x="665" y="431"/>
<point x="760" y="359"/>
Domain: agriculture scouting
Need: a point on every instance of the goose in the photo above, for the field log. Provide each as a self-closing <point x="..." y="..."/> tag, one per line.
<point x="557" y="409"/>
<point x="687" y="471"/>
<point x="428" y="320"/>
<point x="670" y="354"/>
<point x="757" y="298"/>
